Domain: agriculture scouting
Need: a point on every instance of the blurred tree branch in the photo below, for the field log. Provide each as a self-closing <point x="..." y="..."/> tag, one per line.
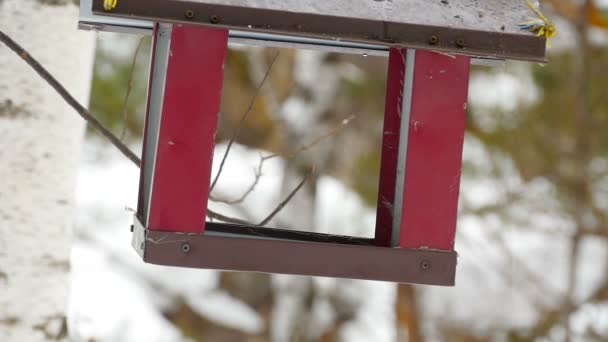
<point x="125" y="110"/>
<point x="258" y="170"/>
<point x="583" y="152"/>
<point x="242" y="120"/>
<point x="80" y="109"/>
<point x="116" y="142"/>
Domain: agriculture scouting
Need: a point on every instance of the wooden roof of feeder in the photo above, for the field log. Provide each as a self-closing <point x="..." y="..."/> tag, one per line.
<point x="487" y="28"/>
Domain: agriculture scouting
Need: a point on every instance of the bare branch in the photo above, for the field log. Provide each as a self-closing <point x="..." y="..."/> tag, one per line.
<point x="258" y="170"/>
<point x="315" y="142"/>
<point x="84" y="113"/>
<point x="213" y="215"/>
<point x="116" y="142"/>
<point x="242" y="120"/>
<point x="125" y="112"/>
<point x="287" y="199"/>
<point x="257" y="173"/>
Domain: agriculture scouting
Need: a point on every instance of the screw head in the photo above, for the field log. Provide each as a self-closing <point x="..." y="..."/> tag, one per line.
<point x="185" y="247"/>
<point x="433" y="40"/>
<point x="214" y="19"/>
<point x="189" y="14"/>
<point x="460" y="42"/>
<point x="425" y="265"/>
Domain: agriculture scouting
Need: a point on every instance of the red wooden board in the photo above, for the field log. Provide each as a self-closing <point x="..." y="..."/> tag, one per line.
<point x="434" y="151"/>
<point x="188" y="125"/>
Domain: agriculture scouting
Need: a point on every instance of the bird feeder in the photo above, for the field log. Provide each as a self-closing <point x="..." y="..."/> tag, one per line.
<point x="430" y="46"/>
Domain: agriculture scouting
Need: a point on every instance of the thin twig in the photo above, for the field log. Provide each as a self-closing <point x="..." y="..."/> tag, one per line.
<point x="242" y="120"/>
<point x="258" y="170"/>
<point x="84" y="113"/>
<point x="287" y="199"/>
<point x="214" y="215"/>
<point x="315" y="142"/>
<point x="257" y="173"/>
<point x="125" y="112"/>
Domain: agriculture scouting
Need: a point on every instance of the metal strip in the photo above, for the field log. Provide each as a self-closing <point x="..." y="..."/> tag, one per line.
<point x="156" y="96"/>
<point x="89" y="21"/>
<point x="92" y="22"/>
<point x="138" y="240"/>
<point x="408" y="89"/>
<point x="281" y="41"/>
<point x="298" y="257"/>
<point x="254" y="232"/>
<point x="457" y="41"/>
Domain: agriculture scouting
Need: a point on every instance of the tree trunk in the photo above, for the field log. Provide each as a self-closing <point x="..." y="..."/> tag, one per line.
<point x="40" y="142"/>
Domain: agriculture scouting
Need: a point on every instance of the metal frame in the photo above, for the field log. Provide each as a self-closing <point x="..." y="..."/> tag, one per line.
<point x="93" y="22"/>
<point x="417" y="210"/>
<point x="355" y="30"/>
<point x="230" y="247"/>
<point x="424" y="127"/>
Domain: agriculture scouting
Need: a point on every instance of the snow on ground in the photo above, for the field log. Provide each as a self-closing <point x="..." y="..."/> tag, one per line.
<point x="116" y="297"/>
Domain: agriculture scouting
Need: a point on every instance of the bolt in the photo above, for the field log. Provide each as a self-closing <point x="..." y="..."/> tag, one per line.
<point x="425" y="265"/>
<point x="214" y="19"/>
<point x="460" y="42"/>
<point x="433" y="40"/>
<point x="141" y="246"/>
<point x="185" y="247"/>
<point x="189" y="14"/>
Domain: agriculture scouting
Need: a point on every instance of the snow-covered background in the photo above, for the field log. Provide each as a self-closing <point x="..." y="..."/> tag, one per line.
<point x="504" y="271"/>
<point x="514" y="265"/>
<point x="509" y="270"/>
<point x="533" y="211"/>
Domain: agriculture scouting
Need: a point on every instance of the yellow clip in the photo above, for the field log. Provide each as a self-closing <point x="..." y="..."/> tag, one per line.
<point x="109" y="5"/>
<point x="543" y="27"/>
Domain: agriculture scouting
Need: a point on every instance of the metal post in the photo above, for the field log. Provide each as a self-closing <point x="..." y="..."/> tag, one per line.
<point x="183" y="107"/>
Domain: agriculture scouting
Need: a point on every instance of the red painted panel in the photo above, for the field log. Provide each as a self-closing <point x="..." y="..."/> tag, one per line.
<point x="390" y="146"/>
<point x="434" y="154"/>
<point x="187" y="135"/>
